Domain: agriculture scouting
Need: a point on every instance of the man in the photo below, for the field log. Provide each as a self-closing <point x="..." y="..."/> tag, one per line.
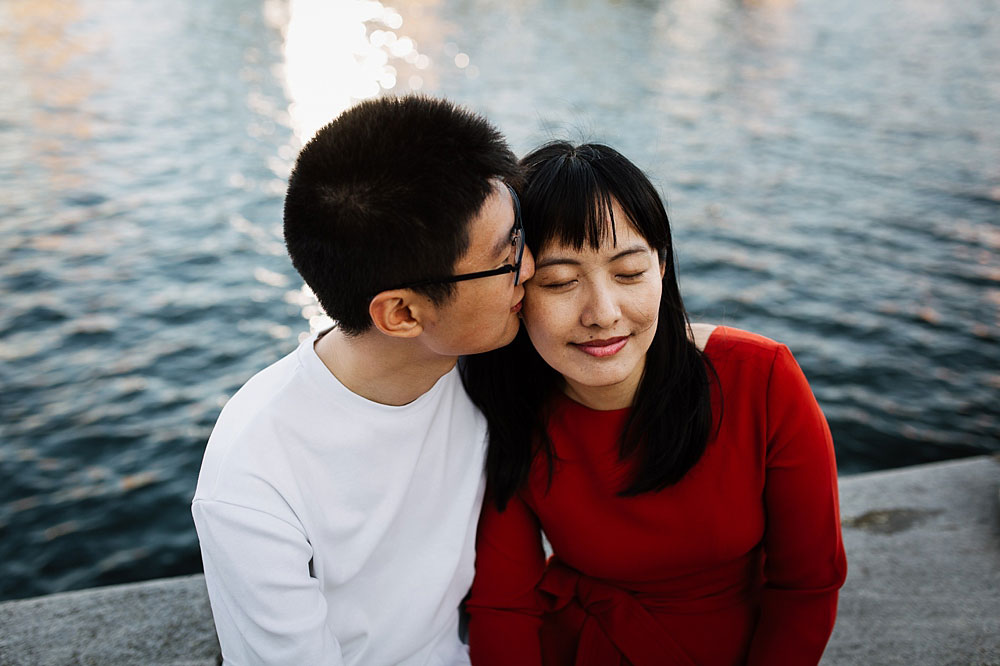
<point x="340" y="490"/>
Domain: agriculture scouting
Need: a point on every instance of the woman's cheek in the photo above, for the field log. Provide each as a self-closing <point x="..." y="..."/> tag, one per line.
<point x="650" y="313"/>
<point x="651" y="306"/>
<point x="538" y="304"/>
<point x="545" y="319"/>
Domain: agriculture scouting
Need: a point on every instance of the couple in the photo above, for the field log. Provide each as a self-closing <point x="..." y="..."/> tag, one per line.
<point x="683" y="474"/>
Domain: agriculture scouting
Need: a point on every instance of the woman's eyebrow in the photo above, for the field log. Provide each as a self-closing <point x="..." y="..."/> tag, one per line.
<point x="556" y="261"/>
<point x="635" y="249"/>
<point x="571" y="261"/>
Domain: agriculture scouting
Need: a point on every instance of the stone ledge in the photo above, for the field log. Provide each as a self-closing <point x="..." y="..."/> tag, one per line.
<point x="923" y="551"/>
<point x="156" y="623"/>
<point x="923" y="587"/>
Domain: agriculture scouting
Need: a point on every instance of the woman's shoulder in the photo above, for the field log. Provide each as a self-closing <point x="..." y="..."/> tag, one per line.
<point x="725" y="343"/>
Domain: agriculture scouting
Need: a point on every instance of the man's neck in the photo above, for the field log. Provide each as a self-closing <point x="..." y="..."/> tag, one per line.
<point x="380" y="368"/>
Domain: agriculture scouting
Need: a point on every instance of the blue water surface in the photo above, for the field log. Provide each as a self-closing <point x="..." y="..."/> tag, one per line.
<point x="830" y="169"/>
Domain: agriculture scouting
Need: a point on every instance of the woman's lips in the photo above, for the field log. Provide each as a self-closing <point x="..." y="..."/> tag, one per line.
<point x="517" y="307"/>
<point x="601" y="348"/>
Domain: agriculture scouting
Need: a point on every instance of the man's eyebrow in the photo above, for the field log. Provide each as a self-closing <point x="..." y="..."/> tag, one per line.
<point x="570" y="261"/>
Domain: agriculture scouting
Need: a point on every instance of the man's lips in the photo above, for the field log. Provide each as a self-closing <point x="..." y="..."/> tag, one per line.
<point x="601" y="348"/>
<point x="517" y="307"/>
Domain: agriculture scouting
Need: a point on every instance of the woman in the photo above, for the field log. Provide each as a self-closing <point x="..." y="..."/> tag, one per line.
<point x="684" y="475"/>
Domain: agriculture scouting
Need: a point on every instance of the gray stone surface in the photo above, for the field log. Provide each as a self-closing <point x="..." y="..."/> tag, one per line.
<point x="923" y="582"/>
<point x="923" y="587"/>
<point x="157" y="623"/>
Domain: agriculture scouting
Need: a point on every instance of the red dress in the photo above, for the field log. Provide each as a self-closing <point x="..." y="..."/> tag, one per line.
<point x="738" y="563"/>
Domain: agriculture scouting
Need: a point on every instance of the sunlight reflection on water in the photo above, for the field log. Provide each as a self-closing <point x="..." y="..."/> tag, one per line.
<point x="339" y="53"/>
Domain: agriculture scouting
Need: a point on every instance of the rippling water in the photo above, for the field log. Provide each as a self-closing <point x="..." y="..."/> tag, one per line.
<point x="831" y="171"/>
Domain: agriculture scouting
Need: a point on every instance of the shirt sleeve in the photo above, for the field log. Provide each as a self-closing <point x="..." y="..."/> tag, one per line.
<point x="805" y="564"/>
<point x="504" y="609"/>
<point x="267" y="607"/>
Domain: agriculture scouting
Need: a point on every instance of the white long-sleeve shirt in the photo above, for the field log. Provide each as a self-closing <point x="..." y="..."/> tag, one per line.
<point x="336" y="530"/>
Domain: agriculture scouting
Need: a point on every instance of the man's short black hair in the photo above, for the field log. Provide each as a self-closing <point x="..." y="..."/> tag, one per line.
<point x="383" y="196"/>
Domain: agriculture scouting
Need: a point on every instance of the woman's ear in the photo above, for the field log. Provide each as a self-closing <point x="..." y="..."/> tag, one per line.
<point x="397" y="313"/>
<point x="663" y="268"/>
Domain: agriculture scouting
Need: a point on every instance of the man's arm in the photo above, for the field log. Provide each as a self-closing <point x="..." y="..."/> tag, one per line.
<point x="268" y="609"/>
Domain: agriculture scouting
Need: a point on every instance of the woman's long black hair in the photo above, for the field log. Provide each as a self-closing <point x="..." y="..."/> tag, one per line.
<point x="567" y="199"/>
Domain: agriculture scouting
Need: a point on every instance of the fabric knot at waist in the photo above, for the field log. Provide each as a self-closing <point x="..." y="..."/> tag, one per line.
<point x="619" y="622"/>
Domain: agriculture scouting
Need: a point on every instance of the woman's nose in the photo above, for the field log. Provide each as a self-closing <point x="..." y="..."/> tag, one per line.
<point x="601" y="309"/>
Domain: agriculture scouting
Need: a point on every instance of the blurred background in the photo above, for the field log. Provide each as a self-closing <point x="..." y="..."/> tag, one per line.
<point x="831" y="170"/>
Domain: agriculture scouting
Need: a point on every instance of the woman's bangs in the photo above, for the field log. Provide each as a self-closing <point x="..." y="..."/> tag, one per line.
<point x="572" y="209"/>
<point x="570" y="196"/>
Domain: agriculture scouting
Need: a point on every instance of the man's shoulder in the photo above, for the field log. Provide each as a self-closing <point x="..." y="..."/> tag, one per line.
<point x="294" y="420"/>
<point x="245" y="442"/>
<point x="260" y="397"/>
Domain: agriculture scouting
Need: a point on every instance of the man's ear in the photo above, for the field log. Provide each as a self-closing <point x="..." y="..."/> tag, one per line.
<point x="397" y="313"/>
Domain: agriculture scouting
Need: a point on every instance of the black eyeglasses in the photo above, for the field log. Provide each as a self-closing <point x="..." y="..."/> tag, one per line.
<point x="516" y="242"/>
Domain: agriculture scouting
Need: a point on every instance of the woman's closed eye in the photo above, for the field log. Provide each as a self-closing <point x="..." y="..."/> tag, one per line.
<point x="558" y="284"/>
<point x="564" y="282"/>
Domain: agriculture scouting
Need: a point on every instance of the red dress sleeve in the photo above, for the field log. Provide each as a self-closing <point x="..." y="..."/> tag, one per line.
<point x="804" y="561"/>
<point x="504" y="610"/>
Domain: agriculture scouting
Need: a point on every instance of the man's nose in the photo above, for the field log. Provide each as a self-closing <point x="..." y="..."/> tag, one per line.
<point x="527" y="265"/>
